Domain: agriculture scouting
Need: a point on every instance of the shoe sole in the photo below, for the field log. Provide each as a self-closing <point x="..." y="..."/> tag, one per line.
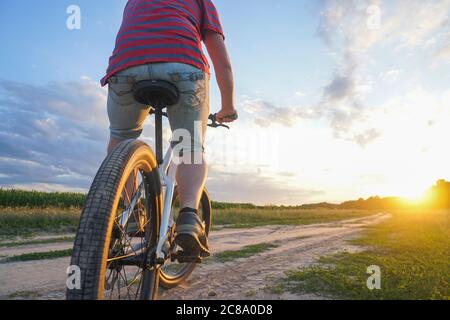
<point x="190" y="244"/>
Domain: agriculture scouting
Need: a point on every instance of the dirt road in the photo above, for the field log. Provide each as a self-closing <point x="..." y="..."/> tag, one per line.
<point x="297" y="246"/>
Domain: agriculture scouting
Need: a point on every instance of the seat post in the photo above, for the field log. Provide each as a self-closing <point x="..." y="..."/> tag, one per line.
<point x="159" y="135"/>
<point x="158" y="94"/>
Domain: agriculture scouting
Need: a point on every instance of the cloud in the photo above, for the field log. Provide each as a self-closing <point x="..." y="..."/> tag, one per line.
<point x="53" y="137"/>
<point x="255" y="187"/>
<point x="54" y="134"/>
<point x="340" y="88"/>
<point x="443" y="53"/>
<point x="416" y="22"/>
<point x="344" y="28"/>
<point x="391" y="74"/>
<point x="266" y="114"/>
<point x="367" y="137"/>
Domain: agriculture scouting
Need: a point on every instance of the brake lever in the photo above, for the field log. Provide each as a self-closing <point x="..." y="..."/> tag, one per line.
<point x="215" y="124"/>
<point x="218" y="125"/>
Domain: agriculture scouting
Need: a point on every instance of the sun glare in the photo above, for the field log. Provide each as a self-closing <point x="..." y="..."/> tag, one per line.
<point x="411" y="194"/>
<point x="413" y="197"/>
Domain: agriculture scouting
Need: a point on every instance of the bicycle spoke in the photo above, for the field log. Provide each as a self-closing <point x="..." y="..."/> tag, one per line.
<point x="129" y="209"/>
<point x="125" y="280"/>
<point x="124" y="277"/>
<point x="133" y="281"/>
<point x="139" y="285"/>
<point x="127" y="195"/>
<point x="112" y="285"/>
<point x="124" y="237"/>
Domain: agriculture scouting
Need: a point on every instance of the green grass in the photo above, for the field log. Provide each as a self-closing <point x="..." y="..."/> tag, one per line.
<point x="245" y="252"/>
<point x="247" y="218"/>
<point x="27" y="222"/>
<point x="34" y="242"/>
<point x="37" y="199"/>
<point x="412" y="250"/>
<point x="40" y="256"/>
<point x="250" y="293"/>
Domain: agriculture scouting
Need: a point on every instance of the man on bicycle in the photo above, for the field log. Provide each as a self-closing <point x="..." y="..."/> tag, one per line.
<point x="162" y="40"/>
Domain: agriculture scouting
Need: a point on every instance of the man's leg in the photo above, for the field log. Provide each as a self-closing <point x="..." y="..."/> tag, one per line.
<point x="126" y="116"/>
<point x="191" y="179"/>
<point x="188" y="120"/>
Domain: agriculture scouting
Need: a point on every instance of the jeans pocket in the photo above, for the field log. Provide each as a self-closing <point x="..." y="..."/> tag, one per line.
<point x="193" y="94"/>
<point x="121" y="93"/>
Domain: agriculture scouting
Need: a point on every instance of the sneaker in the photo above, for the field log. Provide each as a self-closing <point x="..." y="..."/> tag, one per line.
<point x="191" y="234"/>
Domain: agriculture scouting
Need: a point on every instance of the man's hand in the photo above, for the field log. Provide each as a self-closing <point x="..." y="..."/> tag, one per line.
<point x="226" y="116"/>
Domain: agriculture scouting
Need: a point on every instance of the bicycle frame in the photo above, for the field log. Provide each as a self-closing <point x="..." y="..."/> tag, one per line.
<point x="167" y="171"/>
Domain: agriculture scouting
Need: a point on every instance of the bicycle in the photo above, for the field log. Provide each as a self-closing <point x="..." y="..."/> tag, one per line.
<point x="124" y="246"/>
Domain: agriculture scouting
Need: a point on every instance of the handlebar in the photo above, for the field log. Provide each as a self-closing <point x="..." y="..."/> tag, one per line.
<point x="214" y="123"/>
<point x="212" y="118"/>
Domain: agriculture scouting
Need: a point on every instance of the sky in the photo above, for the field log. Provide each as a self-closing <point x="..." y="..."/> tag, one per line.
<point x="338" y="99"/>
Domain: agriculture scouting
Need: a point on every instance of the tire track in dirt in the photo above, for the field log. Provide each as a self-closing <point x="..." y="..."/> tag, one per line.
<point x="298" y="246"/>
<point x="247" y="278"/>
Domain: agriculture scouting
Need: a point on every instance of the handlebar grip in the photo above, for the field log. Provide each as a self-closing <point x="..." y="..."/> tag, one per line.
<point x="213" y="117"/>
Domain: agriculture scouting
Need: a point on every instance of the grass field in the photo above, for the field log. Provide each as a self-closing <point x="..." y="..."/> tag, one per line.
<point x="27" y="213"/>
<point x="247" y="218"/>
<point x="52" y="240"/>
<point x="27" y="222"/>
<point x="412" y="249"/>
<point x="40" y="256"/>
<point x="37" y="199"/>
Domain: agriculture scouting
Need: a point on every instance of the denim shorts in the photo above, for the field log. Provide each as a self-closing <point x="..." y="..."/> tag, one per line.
<point x="127" y="116"/>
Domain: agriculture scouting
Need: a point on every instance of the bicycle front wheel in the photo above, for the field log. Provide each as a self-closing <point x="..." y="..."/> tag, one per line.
<point x="119" y="228"/>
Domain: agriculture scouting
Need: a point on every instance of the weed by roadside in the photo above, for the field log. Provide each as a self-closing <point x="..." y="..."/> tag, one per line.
<point x="245" y="252"/>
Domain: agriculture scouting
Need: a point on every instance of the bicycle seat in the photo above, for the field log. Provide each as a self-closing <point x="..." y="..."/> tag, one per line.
<point x="156" y="93"/>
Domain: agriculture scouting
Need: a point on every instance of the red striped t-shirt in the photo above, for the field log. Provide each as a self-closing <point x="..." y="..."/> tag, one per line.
<point x="163" y="31"/>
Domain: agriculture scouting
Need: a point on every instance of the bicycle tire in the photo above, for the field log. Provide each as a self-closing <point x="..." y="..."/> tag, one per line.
<point x="90" y="251"/>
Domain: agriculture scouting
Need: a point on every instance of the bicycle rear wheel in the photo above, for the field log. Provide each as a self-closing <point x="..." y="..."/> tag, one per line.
<point x="118" y="231"/>
<point x="174" y="273"/>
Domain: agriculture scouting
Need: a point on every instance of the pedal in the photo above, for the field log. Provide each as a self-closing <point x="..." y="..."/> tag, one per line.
<point x="188" y="259"/>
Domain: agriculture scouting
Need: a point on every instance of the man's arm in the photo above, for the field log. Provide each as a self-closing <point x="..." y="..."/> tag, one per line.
<point x="222" y="66"/>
